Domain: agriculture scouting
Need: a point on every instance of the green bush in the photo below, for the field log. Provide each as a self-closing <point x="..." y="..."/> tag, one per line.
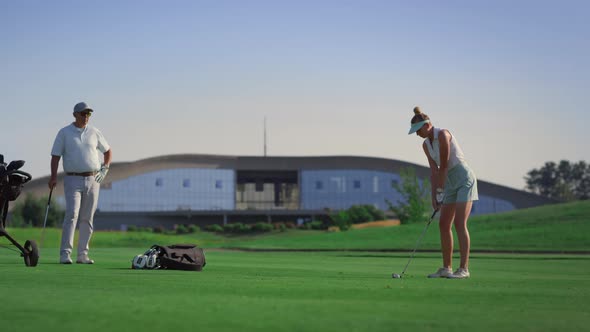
<point x="282" y="226"/>
<point x="262" y="227"/>
<point x="181" y="229"/>
<point x="231" y="228"/>
<point x="359" y="214"/>
<point x="194" y="229"/>
<point x="342" y="220"/>
<point x="17" y="221"/>
<point x="159" y="229"/>
<point x="132" y="228"/>
<point x="375" y="212"/>
<point x="237" y="228"/>
<point x="31" y="212"/>
<point x="317" y="225"/>
<point x="214" y="228"/>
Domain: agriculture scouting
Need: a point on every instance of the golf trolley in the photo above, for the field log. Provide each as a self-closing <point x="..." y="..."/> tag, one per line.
<point x="11" y="184"/>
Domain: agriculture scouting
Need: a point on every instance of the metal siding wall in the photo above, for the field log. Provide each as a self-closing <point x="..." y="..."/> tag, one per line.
<point x="339" y="190"/>
<point x="488" y="204"/>
<point x="140" y="193"/>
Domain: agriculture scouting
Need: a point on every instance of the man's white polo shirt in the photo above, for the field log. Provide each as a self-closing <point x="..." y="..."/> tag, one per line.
<point x="80" y="148"/>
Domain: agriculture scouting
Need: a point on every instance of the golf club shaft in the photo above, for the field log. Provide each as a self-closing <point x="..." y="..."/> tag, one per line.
<point x="419" y="240"/>
<point x="45" y="220"/>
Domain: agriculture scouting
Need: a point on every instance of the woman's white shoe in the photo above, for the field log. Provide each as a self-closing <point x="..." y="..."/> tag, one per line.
<point x="443" y="272"/>
<point x="460" y="274"/>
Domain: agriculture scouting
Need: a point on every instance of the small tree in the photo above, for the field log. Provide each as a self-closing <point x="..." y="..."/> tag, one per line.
<point x="359" y="214"/>
<point x="32" y="212"/>
<point x="342" y="220"/>
<point x="416" y="198"/>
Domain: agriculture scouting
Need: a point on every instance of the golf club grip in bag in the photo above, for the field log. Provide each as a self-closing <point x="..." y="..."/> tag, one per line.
<point x="186" y="257"/>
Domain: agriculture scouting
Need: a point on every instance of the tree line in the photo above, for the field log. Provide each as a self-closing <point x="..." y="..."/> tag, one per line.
<point x="563" y="181"/>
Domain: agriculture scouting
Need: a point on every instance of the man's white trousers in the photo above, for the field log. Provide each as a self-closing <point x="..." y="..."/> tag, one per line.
<point x="81" y="194"/>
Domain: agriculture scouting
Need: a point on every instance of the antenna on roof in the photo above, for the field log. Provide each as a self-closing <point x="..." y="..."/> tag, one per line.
<point x="265" y="136"/>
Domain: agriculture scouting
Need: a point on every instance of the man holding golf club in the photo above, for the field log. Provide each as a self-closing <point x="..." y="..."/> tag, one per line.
<point x="79" y="145"/>
<point x="453" y="183"/>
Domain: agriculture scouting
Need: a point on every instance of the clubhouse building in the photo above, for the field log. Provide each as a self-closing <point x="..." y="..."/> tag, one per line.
<point x="205" y="189"/>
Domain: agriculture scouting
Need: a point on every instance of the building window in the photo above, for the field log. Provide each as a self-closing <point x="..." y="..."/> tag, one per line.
<point x="394" y="183"/>
<point x="186" y="183"/>
<point x="159" y="182"/>
<point x="218" y="184"/>
<point x="319" y="185"/>
<point x="356" y="184"/>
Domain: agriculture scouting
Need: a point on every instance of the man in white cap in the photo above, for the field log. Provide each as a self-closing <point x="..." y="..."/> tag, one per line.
<point x="79" y="145"/>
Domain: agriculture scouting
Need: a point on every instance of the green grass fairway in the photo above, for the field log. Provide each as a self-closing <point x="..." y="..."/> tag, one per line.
<point x="240" y="291"/>
<point x="313" y="291"/>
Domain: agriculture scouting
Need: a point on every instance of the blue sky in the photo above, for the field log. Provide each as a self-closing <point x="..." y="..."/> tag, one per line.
<point x="508" y="78"/>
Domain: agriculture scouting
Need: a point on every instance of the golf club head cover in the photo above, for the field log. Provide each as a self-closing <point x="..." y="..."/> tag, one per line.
<point x="102" y="173"/>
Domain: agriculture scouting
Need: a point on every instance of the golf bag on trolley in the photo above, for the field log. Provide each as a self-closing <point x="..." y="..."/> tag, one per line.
<point x="11" y="183"/>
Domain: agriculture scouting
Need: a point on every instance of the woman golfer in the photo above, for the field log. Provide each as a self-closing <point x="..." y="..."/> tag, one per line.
<point x="454" y="188"/>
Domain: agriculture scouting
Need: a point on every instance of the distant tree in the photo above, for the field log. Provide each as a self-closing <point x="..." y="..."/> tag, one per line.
<point x="415" y="201"/>
<point x="564" y="181"/>
<point x="31" y="212"/>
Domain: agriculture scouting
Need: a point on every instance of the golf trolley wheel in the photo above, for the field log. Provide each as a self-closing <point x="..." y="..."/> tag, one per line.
<point x="31" y="253"/>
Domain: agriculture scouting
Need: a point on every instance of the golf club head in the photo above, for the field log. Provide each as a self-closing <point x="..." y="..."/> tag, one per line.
<point x="396" y="276"/>
<point x="15" y="164"/>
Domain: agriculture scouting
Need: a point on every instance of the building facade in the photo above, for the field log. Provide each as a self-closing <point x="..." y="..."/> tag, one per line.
<point x="209" y="188"/>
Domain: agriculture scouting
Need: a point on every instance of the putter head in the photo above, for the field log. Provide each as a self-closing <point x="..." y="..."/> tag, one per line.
<point x="396" y="276"/>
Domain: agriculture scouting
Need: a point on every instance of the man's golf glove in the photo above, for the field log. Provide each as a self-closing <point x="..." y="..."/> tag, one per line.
<point x="440" y="195"/>
<point x="104" y="169"/>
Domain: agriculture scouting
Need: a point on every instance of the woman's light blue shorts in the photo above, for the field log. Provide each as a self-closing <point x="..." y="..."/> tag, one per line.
<point x="461" y="185"/>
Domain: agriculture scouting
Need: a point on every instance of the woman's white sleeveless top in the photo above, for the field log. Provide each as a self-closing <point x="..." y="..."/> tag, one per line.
<point x="455" y="156"/>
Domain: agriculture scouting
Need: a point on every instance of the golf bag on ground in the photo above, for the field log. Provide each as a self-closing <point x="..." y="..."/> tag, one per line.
<point x="186" y="257"/>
